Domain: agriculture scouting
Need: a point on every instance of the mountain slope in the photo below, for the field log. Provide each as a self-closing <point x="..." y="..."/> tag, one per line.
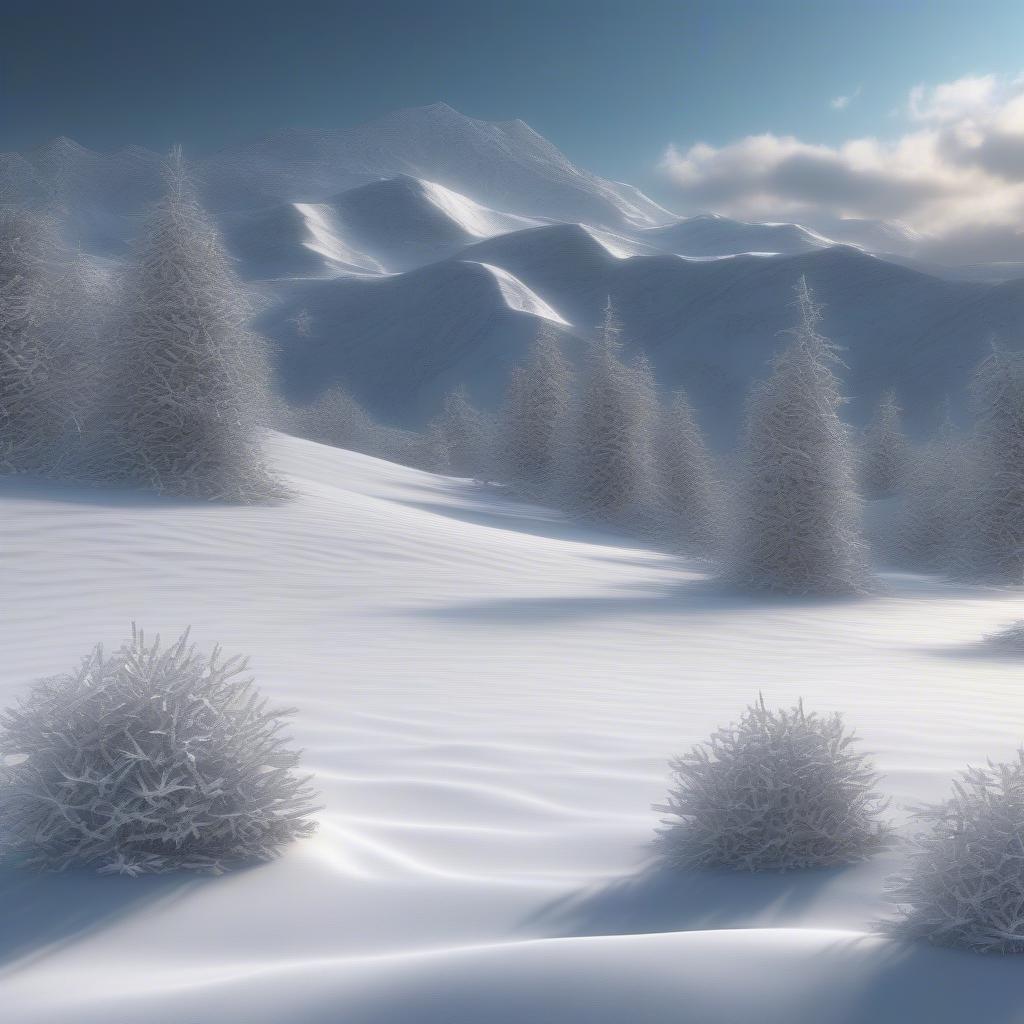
<point x="711" y="326"/>
<point x="504" y="164"/>
<point x="712" y="235"/>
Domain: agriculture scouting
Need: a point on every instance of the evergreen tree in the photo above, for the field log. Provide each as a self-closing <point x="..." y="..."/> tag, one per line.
<point x="537" y="404"/>
<point x="995" y="542"/>
<point x="51" y="307"/>
<point x="932" y="529"/>
<point x="610" y="470"/>
<point x="693" y="508"/>
<point x="191" y="393"/>
<point x="799" y="512"/>
<point x="461" y="438"/>
<point x="884" y="451"/>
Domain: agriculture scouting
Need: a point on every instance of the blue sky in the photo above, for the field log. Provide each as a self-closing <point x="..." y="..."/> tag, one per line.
<point x="613" y="84"/>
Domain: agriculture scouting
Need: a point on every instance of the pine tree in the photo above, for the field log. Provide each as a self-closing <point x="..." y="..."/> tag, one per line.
<point x="884" y="451"/>
<point x="191" y="394"/>
<point x="931" y="533"/>
<point x="610" y="470"/>
<point x="461" y="436"/>
<point x="798" y="510"/>
<point x="47" y="371"/>
<point x="995" y="542"/>
<point x="692" y="501"/>
<point x="533" y="418"/>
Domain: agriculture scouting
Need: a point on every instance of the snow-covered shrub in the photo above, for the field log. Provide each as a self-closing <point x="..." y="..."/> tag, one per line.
<point x="798" y="511"/>
<point x="152" y="760"/>
<point x="190" y="396"/>
<point x="778" y="791"/>
<point x="964" y="884"/>
<point x="884" y="450"/>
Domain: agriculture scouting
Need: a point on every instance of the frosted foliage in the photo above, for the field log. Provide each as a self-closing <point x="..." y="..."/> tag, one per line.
<point x="49" y="312"/>
<point x="964" y="885"/>
<point x="337" y="419"/>
<point x="691" y="493"/>
<point x="191" y="394"/>
<point x="798" y="528"/>
<point x="884" y="454"/>
<point x="781" y="790"/>
<point x="533" y="419"/>
<point x="460" y="438"/>
<point x="609" y="463"/>
<point x="151" y="760"/>
<point x="996" y="519"/>
<point x="932" y="528"/>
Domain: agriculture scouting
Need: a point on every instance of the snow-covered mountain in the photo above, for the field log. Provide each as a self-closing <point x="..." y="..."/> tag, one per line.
<point x="420" y="251"/>
<point x="709" y="325"/>
<point x="387" y="226"/>
<point x="713" y="235"/>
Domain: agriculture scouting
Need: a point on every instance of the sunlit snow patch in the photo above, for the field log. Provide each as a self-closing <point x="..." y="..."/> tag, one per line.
<point x="326" y="242"/>
<point x="518" y="297"/>
<point x="472" y="217"/>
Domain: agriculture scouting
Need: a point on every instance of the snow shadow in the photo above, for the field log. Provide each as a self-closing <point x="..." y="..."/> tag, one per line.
<point x="908" y="982"/>
<point x="42" y="912"/>
<point x="532" y="520"/>
<point x="665" y="899"/>
<point x="696" y="596"/>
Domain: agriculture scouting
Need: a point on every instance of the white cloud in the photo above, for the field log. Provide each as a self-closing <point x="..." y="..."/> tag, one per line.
<point x="842" y="102"/>
<point x="958" y="166"/>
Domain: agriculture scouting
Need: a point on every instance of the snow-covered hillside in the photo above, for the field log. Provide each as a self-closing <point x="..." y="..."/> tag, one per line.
<point x="488" y="696"/>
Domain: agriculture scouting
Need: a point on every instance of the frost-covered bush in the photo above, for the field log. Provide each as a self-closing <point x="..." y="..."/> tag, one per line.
<point x="964" y="885"/>
<point x="781" y="790"/>
<point x="152" y="760"/>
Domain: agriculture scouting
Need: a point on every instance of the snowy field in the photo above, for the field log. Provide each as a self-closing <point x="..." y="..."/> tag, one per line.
<point x="488" y="697"/>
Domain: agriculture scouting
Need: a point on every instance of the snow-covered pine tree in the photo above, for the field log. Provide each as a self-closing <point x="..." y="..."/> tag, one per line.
<point x="191" y="393"/>
<point x="533" y="418"/>
<point x="995" y="535"/>
<point x="798" y="510"/>
<point x="884" y="450"/>
<point x="609" y="463"/>
<point x="462" y="437"/>
<point x="46" y="365"/>
<point x="692" y="500"/>
<point x="931" y="532"/>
